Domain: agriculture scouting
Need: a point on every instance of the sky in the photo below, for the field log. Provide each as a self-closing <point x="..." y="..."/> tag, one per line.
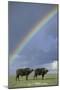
<point x="41" y="50"/>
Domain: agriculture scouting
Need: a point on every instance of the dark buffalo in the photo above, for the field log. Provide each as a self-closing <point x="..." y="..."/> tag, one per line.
<point x="23" y="72"/>
<point x="40" y="71"/>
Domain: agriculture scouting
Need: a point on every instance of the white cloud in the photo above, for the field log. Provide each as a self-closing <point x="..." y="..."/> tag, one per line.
<point x="52" y="67"/>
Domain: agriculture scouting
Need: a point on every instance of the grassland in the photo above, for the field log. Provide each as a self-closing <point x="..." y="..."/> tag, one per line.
<point x="50" y="79"/>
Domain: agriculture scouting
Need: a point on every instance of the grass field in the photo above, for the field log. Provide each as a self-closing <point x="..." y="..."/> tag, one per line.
<point x="50" y="79"/>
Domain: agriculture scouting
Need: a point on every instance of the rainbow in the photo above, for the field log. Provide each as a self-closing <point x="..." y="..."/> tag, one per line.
<point x="31" y="34"/>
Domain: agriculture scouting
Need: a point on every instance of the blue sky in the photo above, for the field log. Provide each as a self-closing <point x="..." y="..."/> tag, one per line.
<point x="41" y="50"/>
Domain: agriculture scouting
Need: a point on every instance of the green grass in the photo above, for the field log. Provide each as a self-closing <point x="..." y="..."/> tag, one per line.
<point x="50" y="79"/>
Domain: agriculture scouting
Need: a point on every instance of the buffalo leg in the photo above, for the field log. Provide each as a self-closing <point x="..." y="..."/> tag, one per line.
<point x="35" y="76"/>
<point x="42" y="76"/>
<point x="26" y="77"/>
<point x="17" y="77"/>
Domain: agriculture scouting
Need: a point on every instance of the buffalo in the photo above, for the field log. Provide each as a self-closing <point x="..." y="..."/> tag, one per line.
<point x="23" y="72"/>
<point x="40" y="71"/>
